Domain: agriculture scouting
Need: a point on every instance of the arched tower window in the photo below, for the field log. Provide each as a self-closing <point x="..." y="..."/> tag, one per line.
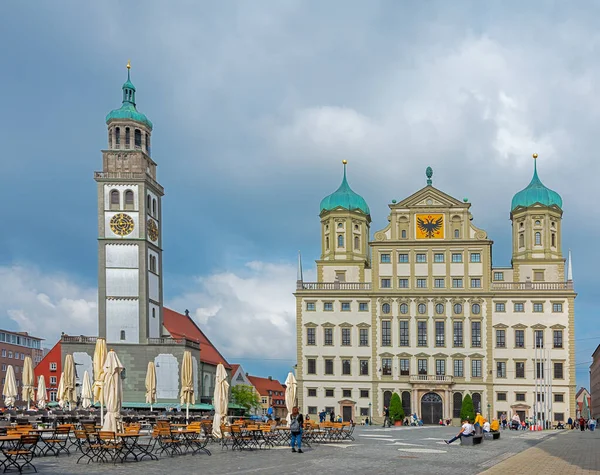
<point x="110" y="135"/>
<point x="154" y="208"/>
<point x="538" y="238"/>
<point x="521" y="240"/>
<point x="149" y="204"/>
<point x="129" y="199"/>
<point x="118" y="136"/>
<point x="553" y="240"/>
<point x="356" y="243"/>
<point x="404" y="234"/>
<point x="147" y="144"/>
<point x="456" y="233"/>
<point x="327" y="243"/>
<point x="122" y="335"/>
<point x="340" y="240"/>
<point x="127" y="136"/>
<point x="115" y="200"/>
<point x="138" y="138"/>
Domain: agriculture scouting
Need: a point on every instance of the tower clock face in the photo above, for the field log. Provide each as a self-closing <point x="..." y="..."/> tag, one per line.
<point x="430" y="226"/>
<point x="121" y="224"/>
<point x="152" y="229"/>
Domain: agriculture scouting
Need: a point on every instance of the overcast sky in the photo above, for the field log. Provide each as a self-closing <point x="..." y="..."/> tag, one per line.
<point x="254" y="105"/>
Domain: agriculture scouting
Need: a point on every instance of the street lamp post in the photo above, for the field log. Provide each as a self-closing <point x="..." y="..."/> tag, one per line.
<point x="370" y="421"/>
<point x="489" y="407"/>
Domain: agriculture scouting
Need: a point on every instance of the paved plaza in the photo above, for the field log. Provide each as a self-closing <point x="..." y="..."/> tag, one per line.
<point x="377" y="450"/>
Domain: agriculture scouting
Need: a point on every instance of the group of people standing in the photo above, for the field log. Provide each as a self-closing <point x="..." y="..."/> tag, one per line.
<point x="582" y="423"/>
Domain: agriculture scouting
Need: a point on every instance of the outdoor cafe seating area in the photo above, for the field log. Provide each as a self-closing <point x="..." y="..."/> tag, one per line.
<point x="145" y="436"/>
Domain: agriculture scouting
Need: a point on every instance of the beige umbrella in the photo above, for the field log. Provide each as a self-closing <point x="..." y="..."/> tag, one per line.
<point x="187" y="383"/>
<point x="60" y="390"/>
<point x="99" y="359"/>
<point x="69" y="381"/>
<point x="151" y="384"/>
<point x="220" y="400"/>
<point x="28" y="379"/>
<point x="112" y="390"/>
<point x="291" y="387"/>
<point x="9" y="391"/>
<point x="41" y="392"/>
<point x="86" y="391"/>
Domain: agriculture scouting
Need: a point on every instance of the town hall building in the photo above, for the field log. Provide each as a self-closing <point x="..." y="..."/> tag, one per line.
<point x="421" y="310"/>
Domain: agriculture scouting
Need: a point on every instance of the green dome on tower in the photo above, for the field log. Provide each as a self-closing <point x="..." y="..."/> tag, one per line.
<point x="536" y="192"/>
<point x="128" y="110"/>
<point x="345" y="198"/>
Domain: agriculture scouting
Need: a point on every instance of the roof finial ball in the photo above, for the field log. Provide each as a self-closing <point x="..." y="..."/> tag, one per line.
<point x="429" y="173"/>
<point x="345" y="162"/>
<point x="535" y="155"/>
<point x="128" y="64"/>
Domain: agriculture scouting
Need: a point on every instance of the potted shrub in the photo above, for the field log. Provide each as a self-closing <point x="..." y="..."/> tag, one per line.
<point x="396" y="410"/>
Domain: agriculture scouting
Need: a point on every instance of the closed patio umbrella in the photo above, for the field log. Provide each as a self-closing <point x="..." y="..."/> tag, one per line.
<point x="9" y="391"/>
<point x="220" y="400"/>
<point x="99" y="359"/>
<point x="151" y="384"/>
<point x="291" y="387"/>
<point x="112" y="390"/>
<point x="41" y="392"/>
<point x="187" y="383"/>
<point x="86" y="391"/>
<point x="28" y="392"/>
<point x="60" y="390"/>
<point x="69" y="381"/>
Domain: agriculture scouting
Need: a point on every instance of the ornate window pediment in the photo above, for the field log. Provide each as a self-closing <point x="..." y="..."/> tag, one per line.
<point x="386" y="355"/>
<point x="327" y="325"/>
<point x="363" y="325"/>
<point x="476" y="355"/>
<point x="440" y="355"/>
<point x="519" y="326"/>
<point x="311" y="325"/>
<point x="458" y="356"/>
<point x="404" y="355"/>
<point x="345" y="325"/>
<point x="558" y="326"/>
<point x="500" y="325"/>
<point x="422" y="355"/>
<point x="538" y="326"/>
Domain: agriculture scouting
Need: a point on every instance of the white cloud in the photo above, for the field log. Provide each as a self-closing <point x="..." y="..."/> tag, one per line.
<point x="45" y="304"/>
<point x="247" y="310"/>
<point x="242" y="311"/>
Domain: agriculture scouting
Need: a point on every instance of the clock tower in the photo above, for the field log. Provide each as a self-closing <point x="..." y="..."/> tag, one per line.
<point x="130" y="290"/>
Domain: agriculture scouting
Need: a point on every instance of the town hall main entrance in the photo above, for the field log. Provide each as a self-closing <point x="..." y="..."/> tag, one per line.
<point x="431" y="408"/>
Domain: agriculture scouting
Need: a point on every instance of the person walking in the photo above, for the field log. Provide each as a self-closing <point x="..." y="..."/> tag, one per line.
<point x="386" y="416"/>
<point x="582" y="424"/>
<point x="570" y="422"/>
<point x="296" y="423"/>
<point x="592" y="424"/>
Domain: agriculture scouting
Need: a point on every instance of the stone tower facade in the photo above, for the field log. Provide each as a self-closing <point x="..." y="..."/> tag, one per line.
<point x="130" y="289"/>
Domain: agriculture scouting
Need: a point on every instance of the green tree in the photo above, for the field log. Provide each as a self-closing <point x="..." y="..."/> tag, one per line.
<point x="396" y="410"/>
<point x="468" y="410"/>
<point x="245" y="396"/>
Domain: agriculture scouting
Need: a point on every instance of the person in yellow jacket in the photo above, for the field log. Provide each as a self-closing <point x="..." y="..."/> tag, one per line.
<point x="479" y="419"/>
<point x="495" y="425"/>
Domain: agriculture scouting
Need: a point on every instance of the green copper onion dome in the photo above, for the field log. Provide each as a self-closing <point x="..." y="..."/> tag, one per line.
<point x="128" y="110"/>
<point x="345" y="198"/>
<point x="536" y="192"/>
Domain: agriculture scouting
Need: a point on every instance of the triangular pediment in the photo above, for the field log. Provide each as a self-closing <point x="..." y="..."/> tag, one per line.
<point x="386" y="355"/>
<point x="458" y="355"/>
<point x="404" y="355"/>
<point x="519" y="326"/>
<point x="430" y="197"/>
<point x="363" y="325"/>
<point x="500" y="325"/>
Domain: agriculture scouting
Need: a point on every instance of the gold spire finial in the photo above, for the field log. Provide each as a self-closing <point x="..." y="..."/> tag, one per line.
<point x="535" y="156"/>
<point x="344" y="162"/>
<point x="128" y="64"/>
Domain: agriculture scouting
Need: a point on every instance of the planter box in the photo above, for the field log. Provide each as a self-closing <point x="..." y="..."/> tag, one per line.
<point x="398" y="423"/>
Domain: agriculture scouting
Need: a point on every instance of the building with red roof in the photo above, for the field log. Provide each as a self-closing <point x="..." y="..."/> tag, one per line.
<point x="183" y="326"/>
<point x="272" y="393"/>
<point x="50" y="367"/>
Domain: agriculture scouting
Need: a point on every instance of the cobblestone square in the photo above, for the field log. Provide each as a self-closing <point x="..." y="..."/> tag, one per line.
<point x="377" y="450"/>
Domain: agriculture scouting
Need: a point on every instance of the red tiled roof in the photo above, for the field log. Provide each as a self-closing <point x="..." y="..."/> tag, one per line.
<point x="234" y="368"/>
<point x="181" y="326"/>
<point x="264" y="385"/>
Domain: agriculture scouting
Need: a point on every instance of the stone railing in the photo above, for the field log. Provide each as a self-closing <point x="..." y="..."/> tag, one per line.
<point x="174" y="341"/>
<point x="532" y="286"/>
<point x="431" y="378"/>
<point x="78" y="339"/>
<point x="127" y="176"/>
<point x="334" y="286"/>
